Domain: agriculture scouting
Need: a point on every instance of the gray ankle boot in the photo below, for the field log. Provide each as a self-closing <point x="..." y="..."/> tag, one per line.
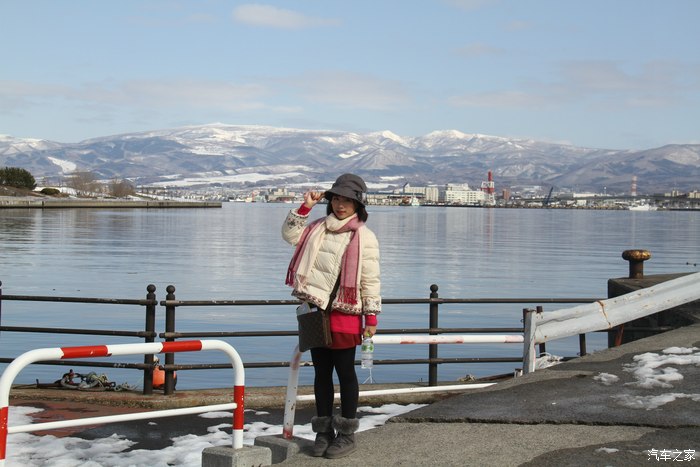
<point x="325" y="435"/>
<point x="344" y="443"/>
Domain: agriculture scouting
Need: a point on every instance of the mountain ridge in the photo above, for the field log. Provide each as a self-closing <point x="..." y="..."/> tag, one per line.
<point x="257" y="155"/>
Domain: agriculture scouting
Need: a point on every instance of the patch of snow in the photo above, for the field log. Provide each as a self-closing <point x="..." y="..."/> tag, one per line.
<point x="653" y="402"/>
<point x="391" y="178"/>
<point x="223" y="179"/>
<point x="648" y="372"/>
<point x="606" y="378"/>
<point x="546" y="360"/>
<point x="684" y="158"/>
<point x="66" y="166"/>
<point x="24" y="449"/>
<point x="680" y="350"/>
<point x="391" y="136"/>
<point x="347" y="155"/>
<point x="607" y="450"/>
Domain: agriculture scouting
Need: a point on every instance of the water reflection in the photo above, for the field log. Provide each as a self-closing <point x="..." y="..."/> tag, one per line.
<point x="237" y="253"/>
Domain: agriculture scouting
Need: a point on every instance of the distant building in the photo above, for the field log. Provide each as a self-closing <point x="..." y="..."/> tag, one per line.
<point x="280" y="195"/>
<point x="584" y="195"/>
<point x="462" y="194"/>
<point x="430" y="194"/>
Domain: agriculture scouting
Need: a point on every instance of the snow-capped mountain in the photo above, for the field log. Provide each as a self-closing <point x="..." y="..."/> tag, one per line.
<point x="239" y="155"/>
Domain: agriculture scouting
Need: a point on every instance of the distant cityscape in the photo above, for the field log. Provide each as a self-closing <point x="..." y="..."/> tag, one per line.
<point x="454" y="194"/>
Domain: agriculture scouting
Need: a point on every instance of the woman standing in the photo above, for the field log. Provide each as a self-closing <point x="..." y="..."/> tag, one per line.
<point x="340" y="249"/>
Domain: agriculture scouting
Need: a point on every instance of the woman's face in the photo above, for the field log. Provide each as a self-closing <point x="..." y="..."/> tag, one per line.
<point x="342" y="207"/>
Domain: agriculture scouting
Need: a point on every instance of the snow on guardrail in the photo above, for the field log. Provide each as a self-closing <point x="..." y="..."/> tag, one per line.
<point x="606" y="314"/>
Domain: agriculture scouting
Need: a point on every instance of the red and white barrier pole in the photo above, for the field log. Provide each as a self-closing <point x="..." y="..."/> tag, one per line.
<point x="90" y="351"/>
<point x="295" y="362"/>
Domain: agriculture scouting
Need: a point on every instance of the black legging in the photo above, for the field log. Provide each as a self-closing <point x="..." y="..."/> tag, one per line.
<point x="325" y="360"/>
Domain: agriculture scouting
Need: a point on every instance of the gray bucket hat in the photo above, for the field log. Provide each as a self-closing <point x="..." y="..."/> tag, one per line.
<point x="350" y="186"/>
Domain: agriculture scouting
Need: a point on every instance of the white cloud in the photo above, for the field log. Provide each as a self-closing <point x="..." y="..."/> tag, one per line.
<point x="478" y="49"/>
<point x="594" y="83"/>
<point x="17" y="95"/>
<point x="151" y="94"/>
<point x="279" y="18"/>
<point x="469" y="5"/>
<point x="515" y="26"/>
<point x="194" y="94"/>
<point x="501" y="100"/>
<point x="352" y="90"/>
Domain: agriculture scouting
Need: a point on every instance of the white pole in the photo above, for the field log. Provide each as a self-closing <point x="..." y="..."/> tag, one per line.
<point x="448" y="339"/>
<point x="120" y="418"/>
<point x="382" y="392"/>
<point x="292" y="388"/>
<point x="529" y="343"/>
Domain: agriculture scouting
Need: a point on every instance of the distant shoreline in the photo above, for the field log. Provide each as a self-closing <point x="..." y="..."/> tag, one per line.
<point x="33" y="203"/>
<point x="10" y="202"/>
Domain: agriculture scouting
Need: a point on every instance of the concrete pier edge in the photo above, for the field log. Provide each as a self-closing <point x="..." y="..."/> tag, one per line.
<point x="282" y="448"/>
<point x="247" y="456"/>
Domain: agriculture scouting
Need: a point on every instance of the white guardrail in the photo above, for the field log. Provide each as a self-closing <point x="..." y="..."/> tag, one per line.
<point x="91" y="351"/>
<point x="606" y="314"/>
<point x="295" y="362"/>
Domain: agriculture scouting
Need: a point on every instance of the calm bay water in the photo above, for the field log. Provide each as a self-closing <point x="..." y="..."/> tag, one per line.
<point x="237" y="253"/>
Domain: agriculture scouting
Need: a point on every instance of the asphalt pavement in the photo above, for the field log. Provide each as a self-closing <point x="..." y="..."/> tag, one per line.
<point x="569" y="414"/>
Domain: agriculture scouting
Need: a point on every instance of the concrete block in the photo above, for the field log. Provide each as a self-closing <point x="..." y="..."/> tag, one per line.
<point x="247" y="456"/>
<point x="283" y="448"/>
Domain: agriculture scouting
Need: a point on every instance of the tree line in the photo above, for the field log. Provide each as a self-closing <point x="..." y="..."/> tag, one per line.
<point x="17" y="178"/>
<point x="84" y="183"/>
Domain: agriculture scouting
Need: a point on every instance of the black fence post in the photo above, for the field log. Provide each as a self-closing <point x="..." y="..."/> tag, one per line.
<point x="0" y="303"/>
<point x="169" y="327"/>
<point x="433" y="348"/>
<point x="150" y="329"/>
<point x="581" y="345"/>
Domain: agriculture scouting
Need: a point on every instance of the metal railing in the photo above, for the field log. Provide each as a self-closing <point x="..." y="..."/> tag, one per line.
<point x="148" y="334"/>
<point x="607" y="314"/>
<point x="170" y="306"/>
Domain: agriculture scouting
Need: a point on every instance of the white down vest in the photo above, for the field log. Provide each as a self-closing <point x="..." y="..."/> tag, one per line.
<point x="326" y="268"/>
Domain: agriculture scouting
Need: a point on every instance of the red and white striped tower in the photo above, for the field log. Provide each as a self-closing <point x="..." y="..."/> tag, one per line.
<point x="489" y="188"/>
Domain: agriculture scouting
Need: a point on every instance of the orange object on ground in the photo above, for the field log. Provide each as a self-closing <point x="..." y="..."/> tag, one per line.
<point x="158" y="378"/>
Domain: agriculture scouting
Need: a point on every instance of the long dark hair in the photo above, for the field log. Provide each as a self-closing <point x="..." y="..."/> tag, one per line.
<point x="360" y="210"/>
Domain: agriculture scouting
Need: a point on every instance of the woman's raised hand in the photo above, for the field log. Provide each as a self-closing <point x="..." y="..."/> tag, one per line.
<point x="312" y="197"/>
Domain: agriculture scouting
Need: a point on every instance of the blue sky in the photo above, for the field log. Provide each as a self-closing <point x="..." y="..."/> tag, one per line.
<point x="595" y="73"/>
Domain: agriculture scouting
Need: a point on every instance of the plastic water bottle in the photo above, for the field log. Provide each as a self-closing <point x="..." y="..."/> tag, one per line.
<point x="304" y="308"/>
<point x="367" y="351"/>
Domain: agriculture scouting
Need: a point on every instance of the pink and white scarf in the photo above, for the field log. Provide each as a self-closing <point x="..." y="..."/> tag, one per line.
<point x="308" y="246"/>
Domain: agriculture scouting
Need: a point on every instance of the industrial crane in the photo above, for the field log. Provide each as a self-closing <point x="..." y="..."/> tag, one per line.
<point x="547" y="198"/>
